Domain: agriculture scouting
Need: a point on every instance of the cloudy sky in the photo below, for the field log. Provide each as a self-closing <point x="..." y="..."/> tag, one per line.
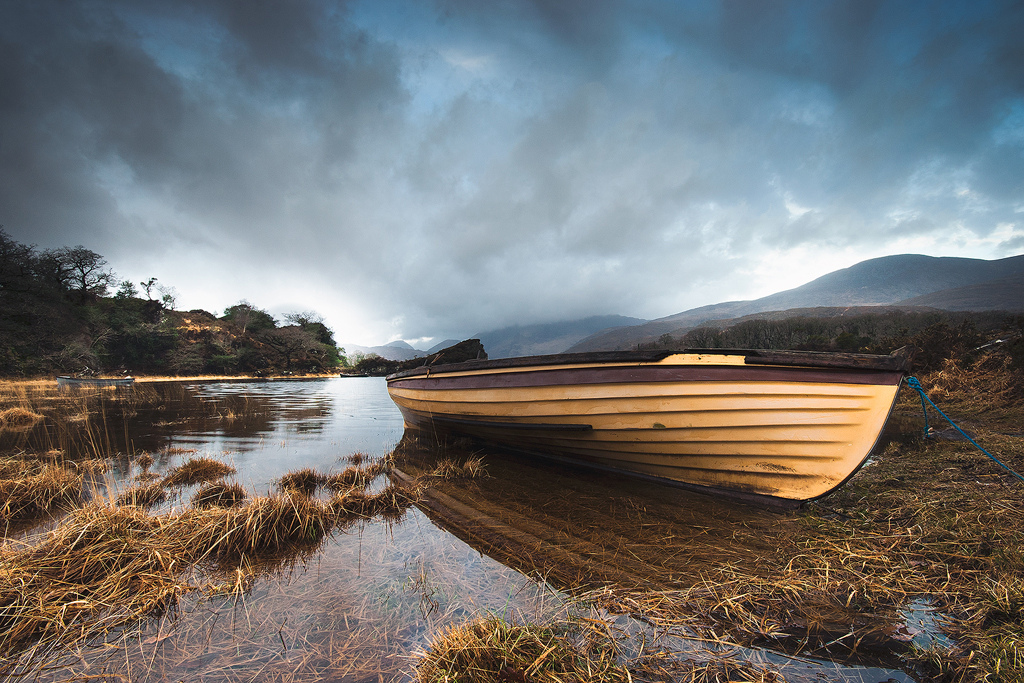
<point x="415" y="169"/>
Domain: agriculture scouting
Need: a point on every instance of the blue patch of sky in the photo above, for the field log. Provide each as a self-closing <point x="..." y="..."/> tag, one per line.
<point x="182" y="43"/>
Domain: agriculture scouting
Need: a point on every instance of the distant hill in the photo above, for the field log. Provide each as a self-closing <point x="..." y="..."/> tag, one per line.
<point x="532" y="340"/>
<point x="1001" y="294"/>
<point x="906" y="279"/>
<point x="396" y="350"/>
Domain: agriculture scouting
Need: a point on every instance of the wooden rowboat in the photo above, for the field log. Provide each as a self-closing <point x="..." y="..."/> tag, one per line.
<point x="771" y="426"/>
<point x="66" y="381"/>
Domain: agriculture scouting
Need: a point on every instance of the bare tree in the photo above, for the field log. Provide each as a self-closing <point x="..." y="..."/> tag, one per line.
<point x="148" y="286"/>
<point x="312" y="322"/>
<point x="82" y="270"/>
<point x="249" y="317"/>
<point x="294" y="344"/>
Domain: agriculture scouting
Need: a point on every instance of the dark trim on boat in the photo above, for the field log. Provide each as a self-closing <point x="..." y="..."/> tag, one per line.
<point x="614" y="374"/>
<point x="897" y="361"/>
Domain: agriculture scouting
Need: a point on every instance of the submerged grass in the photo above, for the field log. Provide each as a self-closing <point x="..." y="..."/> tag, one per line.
<point x="197" y="471"/>
<point x="219" y="494"/>
<point x="493" y="649"/>
<point x="109" y="567"/>
<point x="30" y="487"/>
<point x="928" y="522"/>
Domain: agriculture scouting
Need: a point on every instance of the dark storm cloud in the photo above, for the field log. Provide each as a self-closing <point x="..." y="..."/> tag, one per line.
<point x="425" y="169"/>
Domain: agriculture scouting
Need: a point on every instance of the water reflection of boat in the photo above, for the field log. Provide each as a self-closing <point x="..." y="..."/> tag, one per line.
<point x="66" y="381"/>
<point x="589" y="529"/>
<point x="774" y="426"/>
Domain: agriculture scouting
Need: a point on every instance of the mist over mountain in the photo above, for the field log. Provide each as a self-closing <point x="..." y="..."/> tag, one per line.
<point x="396" y="350"/>
<point x="534" y="340"/>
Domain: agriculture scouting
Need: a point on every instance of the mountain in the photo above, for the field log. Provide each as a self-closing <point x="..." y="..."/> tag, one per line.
<point x="396" y="350"/>
<point x="1001" y="294"/>
<point x="907" y="279"/>
<point x="533" y="340"/>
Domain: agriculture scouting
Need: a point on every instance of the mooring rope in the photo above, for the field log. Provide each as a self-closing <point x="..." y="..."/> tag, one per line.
<point x="916" y="386"/>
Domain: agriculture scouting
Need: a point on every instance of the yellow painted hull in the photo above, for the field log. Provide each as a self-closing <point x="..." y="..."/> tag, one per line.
<point x="712" y="421"/>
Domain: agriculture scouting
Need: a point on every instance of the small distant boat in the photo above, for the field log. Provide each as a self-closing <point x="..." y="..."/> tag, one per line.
<point x="66" y="381"/>
<point x="777" y="427"/>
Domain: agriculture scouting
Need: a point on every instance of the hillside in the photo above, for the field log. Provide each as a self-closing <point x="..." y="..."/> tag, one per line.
<point x="533" y="340"/>
<point x="396" y="350"/>
<point x="907" y="279"/>
<point x="1001" y="294"/>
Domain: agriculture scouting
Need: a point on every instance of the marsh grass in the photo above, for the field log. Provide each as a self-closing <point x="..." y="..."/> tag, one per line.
<point x="304" y="482"/>
<point x="30" y="487"/>
<point x="197" y="471"/>
<point x="494" y="649"/>
<point x="145" y="495"/>
<point x="450" y="469"/>
<point x="219" y="494"/>
<point x="358" y="476"/>
<point x="929" y="519"/>
<point x="109" y="567"/>
<point x="18" y="418"/>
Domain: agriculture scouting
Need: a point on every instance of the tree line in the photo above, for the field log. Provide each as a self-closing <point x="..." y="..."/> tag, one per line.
<point x="940" y="335"/>
<point x="65" y="311"/>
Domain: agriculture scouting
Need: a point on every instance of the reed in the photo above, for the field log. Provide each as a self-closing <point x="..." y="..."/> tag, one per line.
<point x="197" y="471"/>
<point x="304" y="482"/>
<point x="353" y="477"/>
<point x="449" y="469"/>
<point x="37" y="487"/>
<point x="219" y="494"/>
<point x="107" y="567"/>
<point x="101" y="569"/>
<point x="492" y="649"/>
<point x="18" y="418"/>
<point x="143" y="495"/>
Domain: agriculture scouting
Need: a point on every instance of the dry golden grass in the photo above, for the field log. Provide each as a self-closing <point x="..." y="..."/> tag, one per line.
<point x="931" y="520"/>
<point x="353" y="477"/>
<point x="449" y="469"/>
<point x="304" y="481"/>
<point x="196" y="471"/>
<point x="37" y="487"/>
<point x="18" y="418"/>
<point x="144" y="495"/>
<point x="108" y="567"/>
<point x="219" y="494"/>
<point x="492" y="649"/>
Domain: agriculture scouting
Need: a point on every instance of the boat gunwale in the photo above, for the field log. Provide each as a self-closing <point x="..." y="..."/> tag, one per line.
<point x="898" y="361"/>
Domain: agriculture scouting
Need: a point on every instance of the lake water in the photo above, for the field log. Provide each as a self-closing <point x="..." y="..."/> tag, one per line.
<point x="375" y="595"/>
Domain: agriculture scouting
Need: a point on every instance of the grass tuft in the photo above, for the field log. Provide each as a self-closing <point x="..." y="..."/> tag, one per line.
<point x="18" y="418"/>
<point x="492" y="649"/>
<point x="449" y="469"/>
<point x="303" y="482"/>
<point x="218" y="494"/>
<point x="39" y="487"/>
<point x="144" y="496"/>
<point x="196" y="471"/>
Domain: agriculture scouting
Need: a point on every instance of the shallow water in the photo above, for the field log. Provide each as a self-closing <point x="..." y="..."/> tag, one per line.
<point x="376" y="594"/>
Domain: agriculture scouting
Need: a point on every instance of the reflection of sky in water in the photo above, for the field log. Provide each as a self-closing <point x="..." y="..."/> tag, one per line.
<point x="312" y="423"/>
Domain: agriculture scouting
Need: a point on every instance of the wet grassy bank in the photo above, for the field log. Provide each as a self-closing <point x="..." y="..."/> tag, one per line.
<point x="917" y="564"/>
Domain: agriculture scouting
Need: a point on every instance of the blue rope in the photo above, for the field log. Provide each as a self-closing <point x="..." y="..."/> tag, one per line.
<point x="916" y="386"/>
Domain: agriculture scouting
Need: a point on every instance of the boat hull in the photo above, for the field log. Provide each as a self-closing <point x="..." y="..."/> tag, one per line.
<point x="785" y="432"/>
<point x="63" y="381"/>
